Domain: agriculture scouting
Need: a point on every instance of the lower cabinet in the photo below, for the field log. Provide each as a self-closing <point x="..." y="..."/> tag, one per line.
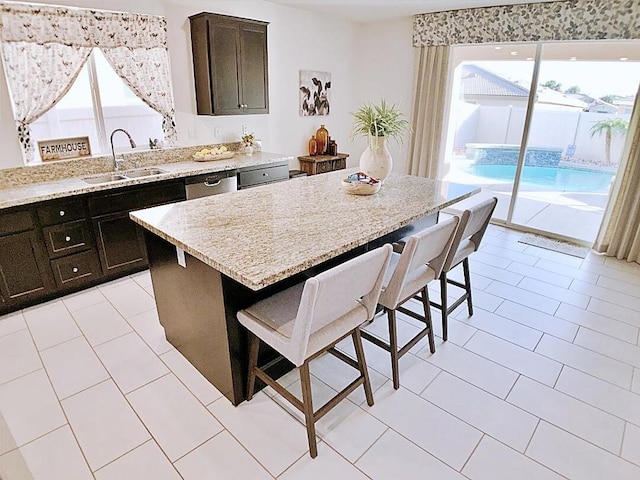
<point x="60" y="246"/>
<point x="23" y="270"/>
<point x="120" y="243"/>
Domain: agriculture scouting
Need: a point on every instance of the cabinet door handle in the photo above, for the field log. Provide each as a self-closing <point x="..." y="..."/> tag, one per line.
<point x="62" y="213"/>
<point x="265" y="174"/>
<point x="67" y="238"/>
<point x="74" y="269"/>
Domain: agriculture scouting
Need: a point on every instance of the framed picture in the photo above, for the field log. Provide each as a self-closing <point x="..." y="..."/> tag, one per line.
<point x="64" y="148"/>
<point x="315" y="88"/>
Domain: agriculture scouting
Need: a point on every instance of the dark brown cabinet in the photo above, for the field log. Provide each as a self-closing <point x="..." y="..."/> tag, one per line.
<point x="120" y="243"/>
<point x="230" y="65"/>
<point x="24" y="273"/>
<point x="119" y="239"/>
<point x="60" y="246"/>
<point x="69" y="242"/>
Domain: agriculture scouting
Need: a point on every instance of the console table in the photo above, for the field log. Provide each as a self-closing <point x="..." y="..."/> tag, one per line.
<point x="322" y="163"/>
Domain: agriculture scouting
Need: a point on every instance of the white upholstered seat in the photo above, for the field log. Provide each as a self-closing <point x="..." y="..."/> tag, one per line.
<point x="420" y="262"/>
<point x="308" y="319"/>
<point x="473" y="224"/>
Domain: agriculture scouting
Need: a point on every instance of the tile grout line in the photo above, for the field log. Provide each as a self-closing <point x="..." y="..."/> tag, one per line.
<point x="578" y="369"/>
<point x="472" y="452"/>
<point x="597" y="407"/>
<point x="535" y="460"/>
<point x="55" y="395"/>
<point x="603" y="450"/>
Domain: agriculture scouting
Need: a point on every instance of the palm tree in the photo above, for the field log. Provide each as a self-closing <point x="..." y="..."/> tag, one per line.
<point x="609" y="126"/>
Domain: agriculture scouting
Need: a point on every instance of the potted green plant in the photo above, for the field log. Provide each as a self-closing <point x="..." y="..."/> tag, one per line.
<point x="378" y="123"/>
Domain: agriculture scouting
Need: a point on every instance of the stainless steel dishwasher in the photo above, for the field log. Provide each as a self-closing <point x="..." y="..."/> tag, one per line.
<point x="211" y="184"/>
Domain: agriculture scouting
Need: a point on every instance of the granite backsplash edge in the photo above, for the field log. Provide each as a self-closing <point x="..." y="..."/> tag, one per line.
<point x="80" y="167"/>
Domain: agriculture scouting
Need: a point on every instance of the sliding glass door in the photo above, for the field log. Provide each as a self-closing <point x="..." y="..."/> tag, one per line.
<point x="542" y="128"/>
<point x="487" y="116"/>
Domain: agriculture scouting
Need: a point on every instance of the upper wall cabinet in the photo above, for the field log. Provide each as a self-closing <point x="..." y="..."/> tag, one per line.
<point x="229" y="64"/>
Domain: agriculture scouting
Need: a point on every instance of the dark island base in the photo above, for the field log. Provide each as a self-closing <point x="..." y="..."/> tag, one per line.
<point x="197" y="307"/>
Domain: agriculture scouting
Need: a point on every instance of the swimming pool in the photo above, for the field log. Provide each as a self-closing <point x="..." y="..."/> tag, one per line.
<point x="555" y="178"/>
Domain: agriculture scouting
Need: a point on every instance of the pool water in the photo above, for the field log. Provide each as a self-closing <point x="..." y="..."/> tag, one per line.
<point x="555" y="178"/>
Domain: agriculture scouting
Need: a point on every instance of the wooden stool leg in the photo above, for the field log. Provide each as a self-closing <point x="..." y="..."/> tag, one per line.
<point x="393" y="344"/>
<point x="254" y="347"/>
<point x="427" y="319"/>
<point x="467" y="284"/>
<point x="307" y="403"/>
<point x="362" y="363"/>
<point x="443" y="304"/>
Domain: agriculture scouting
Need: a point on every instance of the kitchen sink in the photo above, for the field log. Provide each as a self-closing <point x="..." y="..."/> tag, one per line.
<point x="114" y="177"/>
<point x="145" y="172"/>
<point x="109" y="177"/>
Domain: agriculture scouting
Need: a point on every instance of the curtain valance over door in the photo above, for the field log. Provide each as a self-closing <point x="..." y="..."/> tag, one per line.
<point x="531" y="22"/>
<point x="44" y="47"/>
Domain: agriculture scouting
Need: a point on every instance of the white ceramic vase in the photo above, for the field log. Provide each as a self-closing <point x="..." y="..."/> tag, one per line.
<point x="248" y="150"/>
<point x="376" y="160"/>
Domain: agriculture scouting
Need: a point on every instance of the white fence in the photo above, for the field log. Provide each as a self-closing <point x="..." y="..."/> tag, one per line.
<point x="549" y="128"/>
<point x="139" y="120"/>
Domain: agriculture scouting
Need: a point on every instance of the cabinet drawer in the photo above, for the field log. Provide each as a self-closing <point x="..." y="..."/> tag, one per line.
<point x="324" y="167"/>
<point x="258" y="176"/>
<point x="66" y="238"/>
<point x="15" y="222"/>
<point x="136" y="198"/>
<point x="81" y="267"/>
<point x="53" y="214"/>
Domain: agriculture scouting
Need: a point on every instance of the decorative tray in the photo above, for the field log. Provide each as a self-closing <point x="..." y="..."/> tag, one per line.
<point x="210" y="157"/>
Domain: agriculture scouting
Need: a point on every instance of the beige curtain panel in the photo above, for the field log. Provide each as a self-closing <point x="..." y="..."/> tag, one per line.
<point x="428" y="111"/>
<point x="619" y="234"/>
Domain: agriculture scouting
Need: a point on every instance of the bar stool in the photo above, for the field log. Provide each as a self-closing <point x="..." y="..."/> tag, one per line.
<point x="473" y="224"/>
<point x="420" y="262"/>
<point x="308" y="319"/>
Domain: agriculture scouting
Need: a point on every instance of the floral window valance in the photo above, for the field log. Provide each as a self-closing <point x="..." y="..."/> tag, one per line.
<point x="23" y="22"/>
<point x="564" y="21"/>
<point x="45" y="47"/>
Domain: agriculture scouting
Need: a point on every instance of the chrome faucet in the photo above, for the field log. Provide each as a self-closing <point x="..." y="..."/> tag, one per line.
<point x="116" y="165"/>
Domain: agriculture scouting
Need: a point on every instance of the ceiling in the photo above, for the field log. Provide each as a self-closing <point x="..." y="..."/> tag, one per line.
<point x="364" y="11"/>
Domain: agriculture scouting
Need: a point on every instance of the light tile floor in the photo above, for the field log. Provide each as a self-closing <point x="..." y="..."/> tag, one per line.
<point x="543" y="382"/>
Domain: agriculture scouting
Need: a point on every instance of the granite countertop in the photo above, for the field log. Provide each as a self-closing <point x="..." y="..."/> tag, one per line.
<point x="64" y="187"/>
<point x="263" y="235"/>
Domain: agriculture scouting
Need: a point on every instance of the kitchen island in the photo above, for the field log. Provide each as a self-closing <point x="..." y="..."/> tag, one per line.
<point x="212" y="256"/>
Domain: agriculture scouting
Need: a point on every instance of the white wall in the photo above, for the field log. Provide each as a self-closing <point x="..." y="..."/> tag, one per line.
<point x="386" y="69"/>
<point x="297" y="40"/>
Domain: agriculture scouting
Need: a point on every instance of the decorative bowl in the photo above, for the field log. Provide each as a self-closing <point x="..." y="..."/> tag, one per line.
<point x="361" y="184"/>
<point x="208" y="158"/>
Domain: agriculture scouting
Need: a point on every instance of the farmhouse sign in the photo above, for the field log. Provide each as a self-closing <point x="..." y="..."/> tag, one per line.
<point x="61" y="148"/>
